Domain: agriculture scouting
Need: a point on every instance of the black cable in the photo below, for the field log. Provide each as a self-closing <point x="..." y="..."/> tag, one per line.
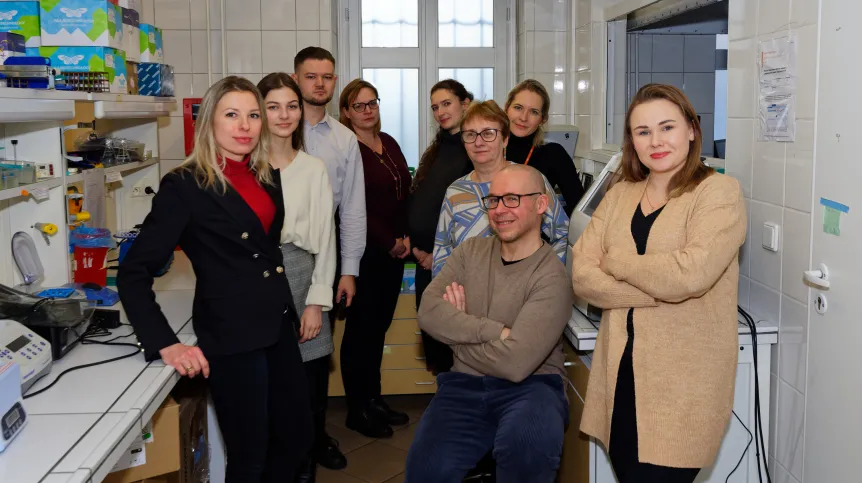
<point x="758" y="424"/>
<point x="87" y="338"/>
<point x="742" y="457"/>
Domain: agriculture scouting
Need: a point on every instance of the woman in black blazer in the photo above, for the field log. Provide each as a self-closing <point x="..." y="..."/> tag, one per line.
<point x="224" y="208"/>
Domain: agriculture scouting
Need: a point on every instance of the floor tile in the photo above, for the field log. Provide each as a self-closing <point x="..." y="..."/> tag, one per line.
<point x="329" y="476"/>
<point x="397" y="479"/>
<point x="347" y="440"/>
<point x="403" y="438"/>
<point x="376" y="462"/>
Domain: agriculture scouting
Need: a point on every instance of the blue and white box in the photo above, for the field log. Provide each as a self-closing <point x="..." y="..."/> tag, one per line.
<point x="91" y="59"/>
<point x="11" y="45"/>
<point x="151" y="44"/>
<point x="155" y="80"/>
<point x="132" y="34"/>
<point x="21" y="18"/>
<point x="81" y="23"/>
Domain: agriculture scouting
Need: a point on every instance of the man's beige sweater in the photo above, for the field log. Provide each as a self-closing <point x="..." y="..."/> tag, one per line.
<point x="683" y="291"/>
<point x="533" y="298"/>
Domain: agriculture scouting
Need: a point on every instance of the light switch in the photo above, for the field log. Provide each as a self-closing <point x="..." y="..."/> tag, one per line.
<point x="770" y="236"/>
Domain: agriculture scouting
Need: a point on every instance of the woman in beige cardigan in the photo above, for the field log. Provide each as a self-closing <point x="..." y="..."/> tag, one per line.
<point x="669" y="327"/>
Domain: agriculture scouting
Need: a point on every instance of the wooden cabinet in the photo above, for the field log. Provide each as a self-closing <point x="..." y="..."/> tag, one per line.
<point x="403" y="366"/>
<point x="575" y="462"/>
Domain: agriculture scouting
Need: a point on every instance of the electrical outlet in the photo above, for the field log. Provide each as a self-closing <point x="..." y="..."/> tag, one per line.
<point x="137" y="192"/>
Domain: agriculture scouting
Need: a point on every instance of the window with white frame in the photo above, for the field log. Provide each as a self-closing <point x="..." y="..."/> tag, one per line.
<point x="404" y="47"/>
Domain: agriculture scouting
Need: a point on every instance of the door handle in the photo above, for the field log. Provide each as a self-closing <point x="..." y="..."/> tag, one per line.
<point x="818" y="278"/>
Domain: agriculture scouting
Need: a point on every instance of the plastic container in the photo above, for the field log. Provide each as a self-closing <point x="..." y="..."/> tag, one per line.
<point x="8" y="179"/>
<point x="90" y="247"/>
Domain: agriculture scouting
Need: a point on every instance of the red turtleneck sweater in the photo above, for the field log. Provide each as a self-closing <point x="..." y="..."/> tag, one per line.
<point x="245" y="183"/>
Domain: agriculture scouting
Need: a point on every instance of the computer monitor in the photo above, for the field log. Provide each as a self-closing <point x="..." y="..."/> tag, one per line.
<point x="580" y="218"/>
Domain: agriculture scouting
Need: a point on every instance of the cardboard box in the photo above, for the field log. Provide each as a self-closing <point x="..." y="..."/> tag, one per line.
<point x="132" y="81"/>
<point x="11" y="45"/>
<point x="150" y="46"/>
<point x="81" y="23"/>
<point x="21" y="18"/>
<point x="136" y="5"/>
<point x="155" y="80"/>
<point x="159" y="456"/>
<point x="131" y="34"/>
<point x="91" y="59"/>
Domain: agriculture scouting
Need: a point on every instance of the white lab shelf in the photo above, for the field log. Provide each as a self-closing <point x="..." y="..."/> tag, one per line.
<point x="24" y="190"/>
<point x="42" y="94"/>
<point x="127" y="109"/>
<point x="123" y="168"/>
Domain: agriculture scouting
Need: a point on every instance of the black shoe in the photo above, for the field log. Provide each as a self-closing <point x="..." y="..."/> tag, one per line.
<point x="329" y="456"/>
<point x="384" y="412"/>
<point x="367" y="423"/>
<point x="307" y="472"/>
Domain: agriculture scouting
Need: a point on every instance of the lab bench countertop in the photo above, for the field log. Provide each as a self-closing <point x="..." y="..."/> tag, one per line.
<point x="78" y="429"/>
<point x="582" y="333"/>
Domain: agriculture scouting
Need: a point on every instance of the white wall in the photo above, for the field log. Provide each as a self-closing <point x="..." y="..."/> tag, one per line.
<point x="544" y="51"/>
<point x="777" y="179"/>
<point x="263" y="36"/>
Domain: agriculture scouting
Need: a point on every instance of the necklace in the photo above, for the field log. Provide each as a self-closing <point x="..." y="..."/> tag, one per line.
<point x="652" y="206"/>
<point x="396" y="176"/>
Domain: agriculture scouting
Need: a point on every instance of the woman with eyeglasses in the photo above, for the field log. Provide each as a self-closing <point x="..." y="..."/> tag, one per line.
<point x="387" y="185"/>
<point x="485" y="133"/>
<point x="444" y="161"/>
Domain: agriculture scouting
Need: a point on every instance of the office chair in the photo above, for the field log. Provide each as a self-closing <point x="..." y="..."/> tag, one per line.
<point x="484" y="472"/>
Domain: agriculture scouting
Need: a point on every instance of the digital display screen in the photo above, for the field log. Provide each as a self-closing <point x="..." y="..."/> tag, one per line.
<point x="195" y="109"/>
<point x="12" y="418"/>
<point x="18" y="343"/>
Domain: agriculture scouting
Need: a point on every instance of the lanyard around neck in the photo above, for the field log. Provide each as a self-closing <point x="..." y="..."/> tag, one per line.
<point x="529" y="155"/>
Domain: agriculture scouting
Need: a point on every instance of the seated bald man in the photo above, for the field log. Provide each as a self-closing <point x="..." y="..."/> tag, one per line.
<point x="501" y="303"/>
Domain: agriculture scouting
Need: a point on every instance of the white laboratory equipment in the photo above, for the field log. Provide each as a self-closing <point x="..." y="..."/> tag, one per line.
<point x="21" y="345"/>
<point x="13" y="418"/>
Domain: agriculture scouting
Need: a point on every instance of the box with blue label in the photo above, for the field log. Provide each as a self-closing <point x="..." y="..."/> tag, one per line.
<point x="91" y="59"/>
<point x="155" y="80"/>
<point x="131" y="34"/>
<point x="84" y="23"/>
<point x="21" y="18"/>
<point x="150" y="46"/>
<point x="11" y="45"/>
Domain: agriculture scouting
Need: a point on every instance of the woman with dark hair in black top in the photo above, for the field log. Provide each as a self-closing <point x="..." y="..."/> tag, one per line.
<point x="443" y="162"/>
<point x="528" y="107"/>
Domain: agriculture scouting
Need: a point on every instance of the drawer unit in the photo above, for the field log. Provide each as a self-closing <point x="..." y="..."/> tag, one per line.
<point x="411" y="381"/>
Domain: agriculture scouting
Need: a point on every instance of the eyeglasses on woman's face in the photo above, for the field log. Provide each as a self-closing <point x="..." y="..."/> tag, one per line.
<point x="487" y="135"/>
<point x="361" y="106"/>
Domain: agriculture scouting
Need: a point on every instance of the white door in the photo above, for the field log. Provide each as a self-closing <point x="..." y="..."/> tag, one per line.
<point x="833" y="428"/>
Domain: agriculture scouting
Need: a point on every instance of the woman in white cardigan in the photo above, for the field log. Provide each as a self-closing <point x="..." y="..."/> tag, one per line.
<point x="308" y="245"/>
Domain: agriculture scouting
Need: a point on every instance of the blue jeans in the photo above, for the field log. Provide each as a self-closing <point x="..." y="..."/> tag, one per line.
<point x="524" y="424"/>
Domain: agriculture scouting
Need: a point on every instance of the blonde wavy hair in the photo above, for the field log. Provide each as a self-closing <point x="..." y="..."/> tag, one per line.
<point x="203" y="163"/>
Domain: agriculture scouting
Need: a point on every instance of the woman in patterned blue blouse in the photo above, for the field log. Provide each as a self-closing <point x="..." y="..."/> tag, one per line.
<point x="485" y="133"/>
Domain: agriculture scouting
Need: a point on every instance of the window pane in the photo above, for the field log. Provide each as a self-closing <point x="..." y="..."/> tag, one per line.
<point x="478" y="81"/>
<point x="469" y="24"/>
<point x="399" y="107"/>
<point x="390" y="23"/>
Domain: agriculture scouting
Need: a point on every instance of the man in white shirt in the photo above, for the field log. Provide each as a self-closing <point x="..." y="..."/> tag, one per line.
<point x="326" y="138"/>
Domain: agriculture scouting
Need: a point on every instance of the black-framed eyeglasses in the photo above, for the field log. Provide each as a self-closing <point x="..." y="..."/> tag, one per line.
<point x="510" y="200"/>
<point x="488" y="135"/>
<point x="360" y="106"/>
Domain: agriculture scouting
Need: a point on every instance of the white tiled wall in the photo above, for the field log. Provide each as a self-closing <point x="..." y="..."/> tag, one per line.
<point x="776" y="178"/>
<point x="545" y="52"/>
<point x="262" y="36"/>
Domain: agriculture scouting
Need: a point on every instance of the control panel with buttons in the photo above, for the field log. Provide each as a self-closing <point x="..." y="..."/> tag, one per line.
<point x="24" y="347"/>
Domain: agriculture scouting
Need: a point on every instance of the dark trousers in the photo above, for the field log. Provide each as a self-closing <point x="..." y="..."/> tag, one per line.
<point x="261" y="402"/>
<point x="469" y="415"/>
<point x="623" y="450"/>
<point x="317" y="373"/>
<point x="370" y="316"/>
<point x="438" y="356"/>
